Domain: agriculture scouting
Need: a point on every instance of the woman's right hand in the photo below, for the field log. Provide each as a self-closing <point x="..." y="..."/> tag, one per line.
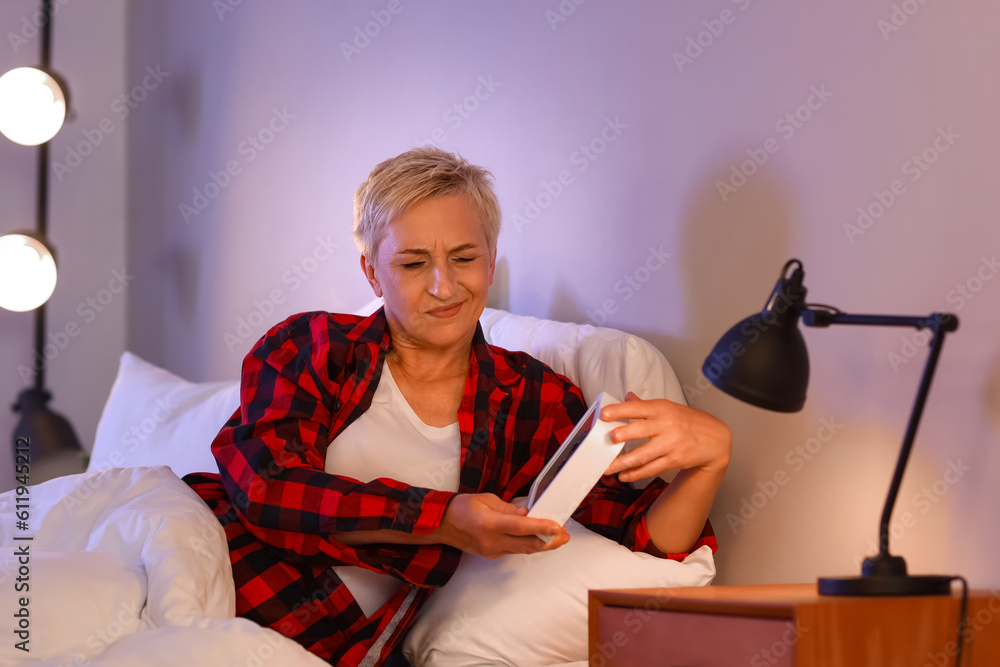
<point x="484" y="525"/>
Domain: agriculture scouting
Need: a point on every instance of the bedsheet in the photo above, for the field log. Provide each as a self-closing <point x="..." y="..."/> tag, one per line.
<point x="125" y="566"/>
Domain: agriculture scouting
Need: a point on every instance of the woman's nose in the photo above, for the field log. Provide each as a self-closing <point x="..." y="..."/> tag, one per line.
<point x="442" y="282"/>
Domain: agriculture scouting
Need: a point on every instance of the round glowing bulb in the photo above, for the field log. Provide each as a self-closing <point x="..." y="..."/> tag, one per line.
<point x="32" y="106"/>
<point x="27" y="272"/>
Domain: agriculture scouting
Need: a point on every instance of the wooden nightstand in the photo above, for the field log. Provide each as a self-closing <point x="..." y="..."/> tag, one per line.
<point x="789" y="624"/>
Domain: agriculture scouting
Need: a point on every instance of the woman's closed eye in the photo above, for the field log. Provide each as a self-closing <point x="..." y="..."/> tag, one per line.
<point x="420" y="263"/>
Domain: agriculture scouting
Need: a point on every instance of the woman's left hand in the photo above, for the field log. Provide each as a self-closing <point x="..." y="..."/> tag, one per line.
<point x="680" y="438"/>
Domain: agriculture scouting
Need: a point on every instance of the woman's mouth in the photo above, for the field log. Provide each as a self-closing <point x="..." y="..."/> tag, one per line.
<point x="446" y="311"/>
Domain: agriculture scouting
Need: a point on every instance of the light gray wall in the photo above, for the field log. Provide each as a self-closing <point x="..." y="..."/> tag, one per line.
<point x="680" y="131"/>
<point x="86" y="318"/>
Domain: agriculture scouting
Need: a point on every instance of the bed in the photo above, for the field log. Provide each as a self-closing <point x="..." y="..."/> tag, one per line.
<point x="127" y="566"/>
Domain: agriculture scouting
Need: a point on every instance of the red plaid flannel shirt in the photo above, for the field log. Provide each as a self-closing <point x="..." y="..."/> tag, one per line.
<point x="303" y="383"/>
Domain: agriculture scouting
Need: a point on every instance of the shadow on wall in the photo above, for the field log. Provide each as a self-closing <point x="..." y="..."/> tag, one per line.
<point x="170" y="279"/>
<point x="731" y="253"/>
<point x="181" y="264"/>
<point x="992" y="395"/>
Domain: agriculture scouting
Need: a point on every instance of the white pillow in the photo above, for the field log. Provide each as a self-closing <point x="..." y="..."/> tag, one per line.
<point x="67" y="587"/>
<point x="532" y="610"/>
<point x="596" y="359"/>
<point x="153" y="417"/>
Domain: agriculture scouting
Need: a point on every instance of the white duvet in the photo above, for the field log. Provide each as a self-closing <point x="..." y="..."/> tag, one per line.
<point x="128" y="567"/>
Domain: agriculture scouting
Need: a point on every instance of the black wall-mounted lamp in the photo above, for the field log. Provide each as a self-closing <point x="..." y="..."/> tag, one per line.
<point x="33" y="104"/>
<point x="763" y="361"/>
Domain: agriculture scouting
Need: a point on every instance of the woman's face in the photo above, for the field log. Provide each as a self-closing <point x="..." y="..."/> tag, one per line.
<point x="433" y="270"/>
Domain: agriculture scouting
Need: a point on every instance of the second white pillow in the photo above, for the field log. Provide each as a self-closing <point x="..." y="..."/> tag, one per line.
<point x="532" y="610"/>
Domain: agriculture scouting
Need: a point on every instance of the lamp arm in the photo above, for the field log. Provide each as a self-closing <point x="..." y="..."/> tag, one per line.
<point x="814" y="317"/>
<point x="937" y="342"/>
<point x="940" y="324"/>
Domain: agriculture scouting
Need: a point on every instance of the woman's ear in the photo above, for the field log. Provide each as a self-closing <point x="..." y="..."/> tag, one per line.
<point x="493" y="266"/>
<point x="369" y="270"/>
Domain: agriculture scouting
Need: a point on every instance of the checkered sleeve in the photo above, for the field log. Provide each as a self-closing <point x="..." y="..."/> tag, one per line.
<point x="271" y="457"/>
<point x="612" y="508"/>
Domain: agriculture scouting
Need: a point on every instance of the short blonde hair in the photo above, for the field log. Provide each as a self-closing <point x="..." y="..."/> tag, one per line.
<point x="408" y="179"/>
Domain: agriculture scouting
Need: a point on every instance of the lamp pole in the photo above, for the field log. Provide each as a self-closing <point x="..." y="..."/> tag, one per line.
<point x="42" y="206"/>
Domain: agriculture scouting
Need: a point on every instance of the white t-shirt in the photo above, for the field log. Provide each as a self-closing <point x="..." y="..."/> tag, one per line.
<point x="390" y="440"/>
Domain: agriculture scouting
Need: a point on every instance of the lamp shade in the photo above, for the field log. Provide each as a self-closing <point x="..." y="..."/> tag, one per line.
<point x="768" y="369"/>
<point x="27" y="271"/>
<point x="32" y="106"/>
<point x="52" y="443"/>
<point x="763" y="359"/>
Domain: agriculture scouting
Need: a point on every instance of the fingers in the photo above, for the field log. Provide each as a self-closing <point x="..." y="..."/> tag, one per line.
<point x="640" y="456"/>
<point x="512" y="519"/>
<point x="641" y="462"/>
<point x="557" y="541"/>
<point x="650" y="469"/>
<point x="635" y="408"/>
<point x="490" y="527"/>
<point x="533" y="545"/>
<point x="637" y="430"/>
<point x="523" y="526"/>
<point x="494" y="503"/>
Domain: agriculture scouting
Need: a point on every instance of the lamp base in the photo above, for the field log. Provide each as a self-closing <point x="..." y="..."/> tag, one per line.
<point x="927" y="584"/>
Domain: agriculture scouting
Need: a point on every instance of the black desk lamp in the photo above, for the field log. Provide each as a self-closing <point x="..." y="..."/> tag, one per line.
<point x="763" y="361"/>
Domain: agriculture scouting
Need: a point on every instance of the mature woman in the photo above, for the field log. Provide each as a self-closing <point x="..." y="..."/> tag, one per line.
<point x="370" y="452"/>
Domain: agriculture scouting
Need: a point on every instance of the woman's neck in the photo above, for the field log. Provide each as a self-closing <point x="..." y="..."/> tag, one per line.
<point x="426" y="365"/>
